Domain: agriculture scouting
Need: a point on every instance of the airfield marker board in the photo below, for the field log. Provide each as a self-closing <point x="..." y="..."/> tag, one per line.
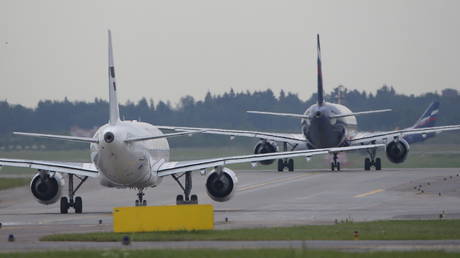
<point x="163" y="218"/>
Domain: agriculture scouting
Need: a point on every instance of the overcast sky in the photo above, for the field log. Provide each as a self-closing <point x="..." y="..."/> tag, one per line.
<point x="168" y="49"/>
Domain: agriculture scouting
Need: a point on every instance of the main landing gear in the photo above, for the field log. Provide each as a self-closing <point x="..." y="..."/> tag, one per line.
<point x="372" y="161"/>
<point x="76" y="203"/>
<point x="187" y="188"/>
<point x="140" y="198"/>
<point x="335" y="164"/>
<point x="286" y="163"/>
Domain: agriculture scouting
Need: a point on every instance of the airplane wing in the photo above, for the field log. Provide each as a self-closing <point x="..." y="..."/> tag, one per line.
<point x="281" y="137"/>
<point x="169" y="168"/>
<point x="75" y="168"/>
<point x="383" y="137"/>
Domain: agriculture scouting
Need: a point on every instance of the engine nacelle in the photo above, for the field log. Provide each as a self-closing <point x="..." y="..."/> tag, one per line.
<point x="265" y="147"/>
<point x="397" y="151"/>
<point x="47" y="187"/>
<point x="221" y="186"/>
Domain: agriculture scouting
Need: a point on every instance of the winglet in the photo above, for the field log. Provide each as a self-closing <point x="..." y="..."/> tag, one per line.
<point x="320" y="74"/>
<point x="113" y="102"/>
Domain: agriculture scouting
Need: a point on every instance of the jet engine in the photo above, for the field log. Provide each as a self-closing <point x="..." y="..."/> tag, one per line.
<point x="397" y="151"/>
<point x="265" y="147"/>
<point x="47" y="187"/>
<point x="221" y="186"/>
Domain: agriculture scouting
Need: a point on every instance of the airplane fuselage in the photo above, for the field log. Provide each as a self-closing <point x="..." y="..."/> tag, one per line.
<point x="128" y="164"/>
<point x="321" y="131"/>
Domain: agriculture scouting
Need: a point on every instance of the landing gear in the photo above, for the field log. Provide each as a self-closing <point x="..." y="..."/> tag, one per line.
<point x="77" y="203"/>
<point x="372" y="161"/>
<point x="186" y="198"/>
<point x="335" y="164"/>
<point x="140" y="198"/>
<point x="286" y="163"/>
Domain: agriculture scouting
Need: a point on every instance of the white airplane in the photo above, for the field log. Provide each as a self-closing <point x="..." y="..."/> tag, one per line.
<point x="327" y="125"/>
<point x="132" y="154"/>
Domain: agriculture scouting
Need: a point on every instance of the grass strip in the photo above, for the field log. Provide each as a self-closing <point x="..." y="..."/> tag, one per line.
<point x="240" y="253"/>
<point x="376" y="230"/>
<point x="6" y="183"/>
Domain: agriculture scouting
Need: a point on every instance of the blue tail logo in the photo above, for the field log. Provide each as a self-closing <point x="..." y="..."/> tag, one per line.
<point x="429" y="117"/>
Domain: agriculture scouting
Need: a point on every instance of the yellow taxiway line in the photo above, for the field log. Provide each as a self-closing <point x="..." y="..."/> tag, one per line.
<point x="368" y="193"/>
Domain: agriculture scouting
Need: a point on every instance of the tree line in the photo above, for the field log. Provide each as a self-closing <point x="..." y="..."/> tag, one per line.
<point x="228" y="110"/>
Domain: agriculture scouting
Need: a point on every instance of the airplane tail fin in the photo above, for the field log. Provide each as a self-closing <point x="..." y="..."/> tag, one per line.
<point x="320" y="74"/>
<point x="113" y="102"/>
<point x="429" y="117"/>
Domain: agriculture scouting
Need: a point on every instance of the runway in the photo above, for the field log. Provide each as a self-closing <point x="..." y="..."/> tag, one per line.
<point x="263" y="199"/>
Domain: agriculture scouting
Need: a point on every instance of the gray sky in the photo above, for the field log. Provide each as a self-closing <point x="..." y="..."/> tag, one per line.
<point x="167" y="49"/>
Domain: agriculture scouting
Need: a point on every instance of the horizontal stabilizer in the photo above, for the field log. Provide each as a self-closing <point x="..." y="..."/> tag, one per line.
<point x="162" y="136"/>
<point x="59" y="137"/>
<point x="361" y="113"/>
<point x="279" y="114"/>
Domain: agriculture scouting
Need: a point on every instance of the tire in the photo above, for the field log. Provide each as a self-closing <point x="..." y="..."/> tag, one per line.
<point x="280" y="165"/>
<point x="179" y="199"/>
<point x="194" y="199"/>
<point x="378" y="164"/>
<point x="291" y="165"/>
<point x="78" y="205"/>
<point x="367" y="164"/>
<point x="64" y="205"/>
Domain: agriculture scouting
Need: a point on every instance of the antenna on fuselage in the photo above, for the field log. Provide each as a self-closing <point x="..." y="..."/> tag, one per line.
<point x="113" y="102"/>
<point x="320" y="74"/>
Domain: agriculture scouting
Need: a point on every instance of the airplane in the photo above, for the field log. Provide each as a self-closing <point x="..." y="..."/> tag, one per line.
<point x="327" y="125"/>
<point x="132" y="154"/>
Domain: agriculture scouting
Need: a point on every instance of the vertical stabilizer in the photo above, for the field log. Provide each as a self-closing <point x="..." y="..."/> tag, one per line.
<point x="429" y="117"/>
<point x="113" y="102"/>
<point x="320" y="75"/>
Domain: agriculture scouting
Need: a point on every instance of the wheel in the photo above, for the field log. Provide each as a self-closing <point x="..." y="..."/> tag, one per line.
<point x="194" y="199"/>
<point x="291" y="165"/>
<point x="179" y="199"/>
<point x="280" y="165"/>
<point x="378" y="164"/>
<point x="332" y="166"/>
<point x="78" y="206"/>
<point x="367" y="164"/>
<point x="144" y="203"/>
<point x="64" y="205"/>
<point x="338" y="166"/>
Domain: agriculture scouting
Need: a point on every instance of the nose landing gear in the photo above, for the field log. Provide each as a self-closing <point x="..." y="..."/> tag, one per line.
<point x="335" y="164"/>
<point x="140" y="198"/>
<point x="286" y="163"/>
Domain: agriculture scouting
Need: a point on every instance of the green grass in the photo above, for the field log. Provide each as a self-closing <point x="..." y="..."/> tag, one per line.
<point x="240" y="253"/>
<point x="6" y="183"/>
<point x="376" y="230"/>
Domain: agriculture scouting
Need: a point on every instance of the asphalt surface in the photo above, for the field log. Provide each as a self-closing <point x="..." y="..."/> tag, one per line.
<point x="263" y="199"/>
